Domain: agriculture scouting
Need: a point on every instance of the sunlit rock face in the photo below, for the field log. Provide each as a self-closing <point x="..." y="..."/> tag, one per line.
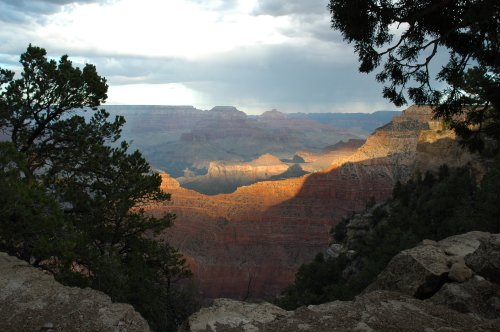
<point x="314" y="162"/>
<point x="226" y="176"/>
<point x="250" y="243"/>
<point x="438" y="146"/>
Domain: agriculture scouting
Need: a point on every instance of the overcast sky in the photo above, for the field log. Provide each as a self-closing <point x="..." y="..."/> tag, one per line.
<point x="254" y="54"/>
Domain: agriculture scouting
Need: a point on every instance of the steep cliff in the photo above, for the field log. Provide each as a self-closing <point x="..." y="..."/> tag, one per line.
<point x="32" y="300"/>
<point x="438" y="146"/>
<point x="251" y="242"/>
<point x="430" y="206"/>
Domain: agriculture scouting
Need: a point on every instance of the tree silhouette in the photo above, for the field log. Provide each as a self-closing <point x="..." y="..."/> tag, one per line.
<point x="408" y="40"/>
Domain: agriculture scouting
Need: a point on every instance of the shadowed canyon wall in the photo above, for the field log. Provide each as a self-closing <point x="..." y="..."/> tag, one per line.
<point x="250" y="243"/>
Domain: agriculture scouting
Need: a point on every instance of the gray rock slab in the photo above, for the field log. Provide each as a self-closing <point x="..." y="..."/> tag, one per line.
<point x="31" y="300"/>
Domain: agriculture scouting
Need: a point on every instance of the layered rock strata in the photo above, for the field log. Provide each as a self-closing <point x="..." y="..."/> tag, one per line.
<point x="31" y="300"/>
<point x="314" y="162"/>
<point x="176" y="138"/>
<point x="250" y="243"/>
<point x="226" y="176"/>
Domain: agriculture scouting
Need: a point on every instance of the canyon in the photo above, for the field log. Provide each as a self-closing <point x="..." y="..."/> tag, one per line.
<point x="227" y="176"/>
<point x="249" y="243"/>
<point x="176" y="139"/>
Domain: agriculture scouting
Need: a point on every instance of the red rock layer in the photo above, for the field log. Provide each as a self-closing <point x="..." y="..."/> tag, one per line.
<point x="250" y="243"/>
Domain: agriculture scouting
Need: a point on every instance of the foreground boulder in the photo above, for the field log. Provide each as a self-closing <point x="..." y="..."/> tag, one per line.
<point x="226" y="313"/>
<point x="31" y="300"/>
<point x="375" y="311"/>
<point x="477" y="296"/>
<point x="460" y="271"/>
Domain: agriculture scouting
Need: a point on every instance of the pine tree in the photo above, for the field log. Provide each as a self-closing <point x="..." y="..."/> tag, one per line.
<point x="72" y="194"/>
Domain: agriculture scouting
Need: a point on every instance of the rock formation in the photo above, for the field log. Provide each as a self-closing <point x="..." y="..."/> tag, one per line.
<point x="438" y="146"/>
<point x="376" y="311"/>
<point x="467" y="301"/>
<point x="314" y="162"/>
<point x="31" y="300"/>
<point x="461" y="271"/>
<point x="233" y="314"/>
<point x="226" y="176"/>
<point x="250" y="243"/>
<point x="176" y="138"/>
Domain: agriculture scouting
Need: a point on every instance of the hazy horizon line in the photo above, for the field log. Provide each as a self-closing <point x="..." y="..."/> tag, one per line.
<point x="254" y="113"/>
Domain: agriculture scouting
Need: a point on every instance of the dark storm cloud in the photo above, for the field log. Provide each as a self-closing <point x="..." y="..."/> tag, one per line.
<point x="290" y="7"/>
<point x="275" y="76"/>
<point x="288" y="74"/>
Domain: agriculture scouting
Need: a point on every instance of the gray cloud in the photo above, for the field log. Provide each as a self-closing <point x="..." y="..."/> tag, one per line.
<point x="313" y="27"/>
<point x="289" y="76"/>
<point x="216" y="4"/>
<point x="290" y="7"/>
<point x="38" y="4"/>
<point x="318" y="73"/>
<point x="311" y="19"/>
<point x="27" y="10"/>
<point x="285" y="77"/>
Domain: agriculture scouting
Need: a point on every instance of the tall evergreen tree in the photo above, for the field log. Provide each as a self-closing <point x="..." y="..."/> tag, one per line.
<point x="74" y="194"/>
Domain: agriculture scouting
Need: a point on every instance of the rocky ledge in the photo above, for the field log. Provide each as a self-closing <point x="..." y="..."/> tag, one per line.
<point x="461" y="272"/>
<point x="450" y="285"/>
<point x="31" y="300"/>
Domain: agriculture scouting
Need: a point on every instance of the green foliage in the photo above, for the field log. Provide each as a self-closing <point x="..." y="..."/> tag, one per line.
<point x="339" y="232"/>
<point x="315" y="283"/>
<point x="428" y="207"/>
<point x="72" y="195"/>
<point x="408" y="40"/>
<point x="32" y="225"/>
